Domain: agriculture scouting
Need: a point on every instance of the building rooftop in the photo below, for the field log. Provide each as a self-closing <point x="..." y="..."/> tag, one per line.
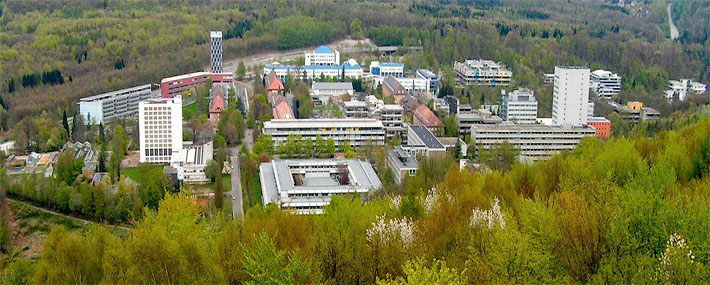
<point x="323" y="49"/>
<point x="355" y="103"/>
<point x="426" y="116"/>
<point x="325" y="123"/>
<point x="333" y="85"/>
<point x="194" y="154"/>
<point x="603" y="73"/>
<point x="597" y="119"/>
<point x="282" y="111"/>
<point x="279" y="179"/>
<point x="426" y="73"/>
<point x="522" y="95"/>
<point x="115" y="93"/>
<point x="402" y="158"/>
<point x="571" y="67"/>
<point x="430" y="141"/>
<point x="393" y="84"/>
<point x="191" y="75"/>
<point x="348" y="65"/>
<point x="215" y="34"/>
<point x="391" y="64"/>
<point x="520" y="127"/>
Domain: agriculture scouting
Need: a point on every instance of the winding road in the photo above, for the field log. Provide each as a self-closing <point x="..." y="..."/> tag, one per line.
<point x="674" y="29"/>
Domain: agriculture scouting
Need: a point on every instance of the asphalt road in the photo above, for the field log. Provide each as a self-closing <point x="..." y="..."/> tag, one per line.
<point x="237" y="201"/>
<point x="674" y="29"/>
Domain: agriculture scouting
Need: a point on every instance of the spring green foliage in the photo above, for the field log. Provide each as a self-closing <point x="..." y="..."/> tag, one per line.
<point x="622" y="211"/>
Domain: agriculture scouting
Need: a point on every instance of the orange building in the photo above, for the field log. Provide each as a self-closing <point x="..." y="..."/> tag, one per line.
<point x="602" y="125"/>
<point x="634" y="105"/>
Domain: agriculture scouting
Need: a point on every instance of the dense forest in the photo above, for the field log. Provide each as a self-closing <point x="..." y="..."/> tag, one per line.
<point x="54" y="52"/>
<point x="622" y="211"/>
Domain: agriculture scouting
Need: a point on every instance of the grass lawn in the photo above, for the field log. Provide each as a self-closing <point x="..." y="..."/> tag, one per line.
<point x="135" y="172"/>
<point x="192" y="107"/>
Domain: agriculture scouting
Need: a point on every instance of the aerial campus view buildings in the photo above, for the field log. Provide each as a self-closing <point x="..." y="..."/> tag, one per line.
<point x="307" y="185"/>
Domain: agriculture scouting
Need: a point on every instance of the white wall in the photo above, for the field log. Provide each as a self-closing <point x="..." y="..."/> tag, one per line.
<point x="570" y="96"/>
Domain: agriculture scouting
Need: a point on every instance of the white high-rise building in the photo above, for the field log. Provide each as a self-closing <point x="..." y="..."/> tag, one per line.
<point x="605" y="83"/>
<point x="519" y="106"/>
<point x="570" y="95"/>
<point x="216" y="51"/>
<point x="160" y="129"/>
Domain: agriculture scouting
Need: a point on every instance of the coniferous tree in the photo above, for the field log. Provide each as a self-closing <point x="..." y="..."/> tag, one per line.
<point x="65" y="122"/>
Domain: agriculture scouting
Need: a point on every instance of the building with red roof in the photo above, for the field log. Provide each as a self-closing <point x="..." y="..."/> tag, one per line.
<point x="274" y="84"/>
<point x="176" y="85"/>
<point x="423" y="116"/>
<point x="217" y="104"/>
<point x="282" y="111"/>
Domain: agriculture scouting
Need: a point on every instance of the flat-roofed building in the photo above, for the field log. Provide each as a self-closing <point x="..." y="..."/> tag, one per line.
<point x="321" y="92"/>
<point x="535" y="142"/>
<point x="401" y="163"/>
<point x="176" y="85"/>
<point x="306" y="186"/>
<point x="605" y="83"/>
<point x="385" y="69"/>
<point x="359" y="132"/>
<point x="684" y="87"/>
<point x="422" y="141"/>
<point x="105" y="107"/>
<point x="548" y="78"/>
<point x="480" y="116"/>
<point x="431" y="77"/>
<point x="414" y="84"/>
<point x="356" y="109"/>
<point x="570" y="98"/>
<point x="482" y="72"/>
<point x="519" y="106"/>
<point x="450" y="145"/>
<point x="160" y="129"/>
<point x="190" y="162"/>
<point x="348" y="69"/>
<point x="601" y="125"/>
<point x="634" y="111"/>
<point x="391" y="116"/>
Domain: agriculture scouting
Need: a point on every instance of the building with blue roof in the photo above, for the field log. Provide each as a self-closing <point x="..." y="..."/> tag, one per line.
<point x="349" y="69"/>
<point x="323" y="55"/>
<point x="385" y="69"/>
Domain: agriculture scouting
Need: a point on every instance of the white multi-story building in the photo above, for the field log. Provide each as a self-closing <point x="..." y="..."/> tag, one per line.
<point x="306" y="186"/>
<point x="535" y="142"/>
<point x="191" y="161"/>
<point x="548" y="78"/>
<point x="414" y="84"/>
<point x="683" y="87"/>
<point x="570" y="96"/>
<point x="431" y="77"/>
<point x="355" y="109"/>
<point x="323" y="55"/>
<point x="216" y="51"/>
<point x="105" y="107"/>
<point x="605" y="83"/>
<point x="480" y="116"/>
<point x="482" y="72"/>
<point x="322" y="91"/>
<point x="391" y="116"/>
<point x="160" y="129"/>
<point x="401" y="163"/>
<point x="359" y="132"/>
<point x="349" y="68"/>
<point x="519" y="106"/>
<point x="384" y="69"/>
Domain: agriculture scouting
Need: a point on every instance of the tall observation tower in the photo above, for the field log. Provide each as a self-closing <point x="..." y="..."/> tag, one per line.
<point x="216" y="51"/>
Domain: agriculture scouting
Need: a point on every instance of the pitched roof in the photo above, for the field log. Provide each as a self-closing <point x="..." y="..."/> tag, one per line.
<point x="217" y="104"/>
<point x="393" y="85"/>
<point x="283" y="111"/>
<point x="273" y="82"/>
<point x="426" y="116"/>
<point x="217" y="101"/>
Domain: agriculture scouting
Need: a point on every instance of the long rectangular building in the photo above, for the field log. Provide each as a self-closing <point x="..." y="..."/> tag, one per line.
<point x="105" y="107"/>
<point x="482" y="72"/>
<point x="359" y="132"/>
<point x="307" y="185"/>
<point x="350" y="68"/>
<point x="176" y="85"/>
<point x="535" y="142"/>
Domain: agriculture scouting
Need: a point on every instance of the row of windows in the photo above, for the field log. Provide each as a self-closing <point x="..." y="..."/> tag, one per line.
<point x="158" y="151"/>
